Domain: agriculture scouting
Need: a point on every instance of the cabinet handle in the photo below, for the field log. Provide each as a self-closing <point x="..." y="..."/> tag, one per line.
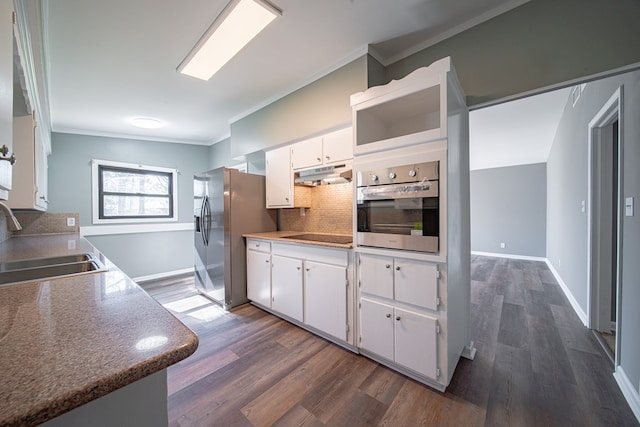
<point x="328" y="158"/>
<point x="318" y="159"/>
<point x="307" y="269"/>
<point x="266" y="260"/>
<point x="398" y="318"/>
<point x="388" y="266"/>
<point x="388" y="315"/>
<point x="398" y="268"/>
<point x="299" y="268"/>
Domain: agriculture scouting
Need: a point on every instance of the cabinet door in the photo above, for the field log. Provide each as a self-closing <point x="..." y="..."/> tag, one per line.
<point x="325" y="298"/>
<point x="416" y="342"/>
<point x="376" y="328"/>
<point x="259" y="277"/>
<point x="41" y="169"/>
<point x="278" y="178"/>
<point x="416" y="282"/>
<point x="307" y="153"/>
<point x="286" y="286"/>
<point x="375" y="275"/>
<point x="6" y="91"/>
<point x="338" y="146"/>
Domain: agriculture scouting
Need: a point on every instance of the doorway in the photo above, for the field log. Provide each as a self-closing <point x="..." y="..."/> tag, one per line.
<point x="604" y="222"/>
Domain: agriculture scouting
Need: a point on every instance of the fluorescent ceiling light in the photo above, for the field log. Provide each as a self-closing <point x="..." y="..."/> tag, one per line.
<point x="236" y="26"/>
<point x="147" y="123"/>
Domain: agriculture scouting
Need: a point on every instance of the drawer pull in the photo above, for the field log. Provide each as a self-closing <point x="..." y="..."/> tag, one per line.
<point x="398" y="318"/>
<point x="388" y="315"/>
<point x="388" y="266"/>
<point x="398" y="268"/>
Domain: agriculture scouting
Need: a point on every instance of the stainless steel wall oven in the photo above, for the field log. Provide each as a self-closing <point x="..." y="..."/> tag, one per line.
<point x="399" y="207"/>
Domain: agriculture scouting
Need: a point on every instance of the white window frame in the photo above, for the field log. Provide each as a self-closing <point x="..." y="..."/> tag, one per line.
<point x="95" y="192"/>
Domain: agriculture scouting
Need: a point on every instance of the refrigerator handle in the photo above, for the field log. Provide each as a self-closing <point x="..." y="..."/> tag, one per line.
<point x="206" y="221"/>
<point x="201" y="226"/>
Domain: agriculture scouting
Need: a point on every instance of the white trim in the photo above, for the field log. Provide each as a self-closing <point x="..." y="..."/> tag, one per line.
<point x="106" y="230"/>
<point x="611" y="110"/>
<point x="162" y="275"/>
<point x="512" y="256"/>
<point x="572" y="300"/>
<point x="96" y="163"/>
<point x="629" y="391"/>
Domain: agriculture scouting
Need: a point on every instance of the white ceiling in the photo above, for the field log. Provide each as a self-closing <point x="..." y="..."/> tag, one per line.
<point x="517" y="132"/>
<point x="109" y="61"/>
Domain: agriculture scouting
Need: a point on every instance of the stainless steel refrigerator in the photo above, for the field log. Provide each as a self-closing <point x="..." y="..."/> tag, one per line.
<point x="227" y="204"/>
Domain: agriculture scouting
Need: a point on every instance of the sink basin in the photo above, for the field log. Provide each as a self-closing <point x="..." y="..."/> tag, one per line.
<point x="48" y="268"/>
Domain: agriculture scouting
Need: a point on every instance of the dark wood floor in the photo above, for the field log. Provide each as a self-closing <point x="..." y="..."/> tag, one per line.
<point x="536" y="366"/>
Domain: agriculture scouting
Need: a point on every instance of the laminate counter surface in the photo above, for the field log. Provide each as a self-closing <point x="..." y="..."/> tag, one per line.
<point x="67" y="341"/>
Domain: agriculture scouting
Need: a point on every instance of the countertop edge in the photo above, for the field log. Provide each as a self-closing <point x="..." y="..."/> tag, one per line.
<point x="282" y="236"/>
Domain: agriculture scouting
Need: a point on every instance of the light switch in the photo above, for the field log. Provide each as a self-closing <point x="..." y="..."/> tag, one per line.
<point x="628" y="206"/>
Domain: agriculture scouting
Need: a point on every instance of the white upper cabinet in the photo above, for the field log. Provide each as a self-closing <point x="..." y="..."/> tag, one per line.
<point x="409" y="111"/>
<point x="337" y="146"/>
<point x="279" y="178"/>
<point x="30" y="173"/>
<point x="6" y="92"/>
<point x="324" y="150"/>
<point x="307" y="153"/>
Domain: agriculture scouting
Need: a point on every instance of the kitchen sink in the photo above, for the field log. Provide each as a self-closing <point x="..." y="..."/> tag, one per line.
<point x="48" y="268"/>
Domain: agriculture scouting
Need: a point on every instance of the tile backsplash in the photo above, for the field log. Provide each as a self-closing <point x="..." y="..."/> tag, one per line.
<point x="34" y="222"/>
<point x="330" y="212"/>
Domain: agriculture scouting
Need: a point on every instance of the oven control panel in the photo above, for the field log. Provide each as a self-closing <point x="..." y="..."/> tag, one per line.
<point x="399" y="174"/>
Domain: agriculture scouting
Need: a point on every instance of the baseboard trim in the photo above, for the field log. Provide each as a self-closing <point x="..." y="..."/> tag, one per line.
<point x="628" y="391"/>
<point x="572" y="300"/>
<point x="512" y="256"/>
<point x="162" y="275"/>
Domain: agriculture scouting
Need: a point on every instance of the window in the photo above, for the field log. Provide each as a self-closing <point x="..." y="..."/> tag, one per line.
<point x="124" y="192"/>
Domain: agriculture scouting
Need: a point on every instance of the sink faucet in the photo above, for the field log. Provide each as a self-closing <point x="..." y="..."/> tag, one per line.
<point x="12" y="221"/>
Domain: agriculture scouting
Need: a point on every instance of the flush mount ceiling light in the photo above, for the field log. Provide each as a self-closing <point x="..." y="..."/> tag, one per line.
<point x="146" y="123"/>
<point x="236" y="26"/>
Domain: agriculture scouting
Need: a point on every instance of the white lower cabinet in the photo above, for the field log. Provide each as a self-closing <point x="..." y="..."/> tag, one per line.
<point x="286" y="286"/>
<point x="306" y="283"/>
<point x="399" y="309"/>
<point x="325" y="299"/>
<point x="401" y="336"/>
<point x="259" y="277"/>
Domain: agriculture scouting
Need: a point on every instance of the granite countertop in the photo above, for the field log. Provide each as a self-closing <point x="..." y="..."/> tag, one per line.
<point x="284" y="236"/>
<point x="67" y="341"/>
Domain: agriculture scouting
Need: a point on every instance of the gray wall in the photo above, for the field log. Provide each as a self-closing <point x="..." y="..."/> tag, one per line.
<point x="540" y="43"/>
<point x="70" y="191"/>
<point x="509" y="205"/>
<point x="319" y="106"/>
<point x="567" y="187"/>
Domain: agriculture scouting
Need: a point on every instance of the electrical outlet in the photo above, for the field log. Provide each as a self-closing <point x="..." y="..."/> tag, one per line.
<point x="71" y="222"/>
<point x="503" y="245"/>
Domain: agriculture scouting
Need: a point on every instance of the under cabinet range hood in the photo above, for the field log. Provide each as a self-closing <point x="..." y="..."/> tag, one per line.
<point x="336" y="174"/>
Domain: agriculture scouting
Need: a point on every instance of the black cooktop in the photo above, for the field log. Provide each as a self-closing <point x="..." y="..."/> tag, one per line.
<point x="324" y="238"/>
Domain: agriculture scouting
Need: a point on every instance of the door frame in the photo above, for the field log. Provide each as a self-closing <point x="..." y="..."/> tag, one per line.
<point x="599" y="133"/>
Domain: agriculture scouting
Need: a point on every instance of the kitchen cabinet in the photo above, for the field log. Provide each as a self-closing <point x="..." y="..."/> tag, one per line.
<point x="279" y="189"/>
<point x="399" y="335"/>
<point x="405" y="280"/>
<point x="426" y="296"/>
<point x="325" y="298"/>
<point x="325" y="150"/>
<point x="409" y="111"/>
<point x="279" y="178"/>
<point x="6" y="92"/>
<point x="286" y="286"/>
<point x="310" y="286"/>
<point x="30" y="186"/>
<point x="259" y="272"/>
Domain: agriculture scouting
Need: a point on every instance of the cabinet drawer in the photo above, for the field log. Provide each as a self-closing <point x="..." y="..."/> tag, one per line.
<point x="259" y="245"/>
